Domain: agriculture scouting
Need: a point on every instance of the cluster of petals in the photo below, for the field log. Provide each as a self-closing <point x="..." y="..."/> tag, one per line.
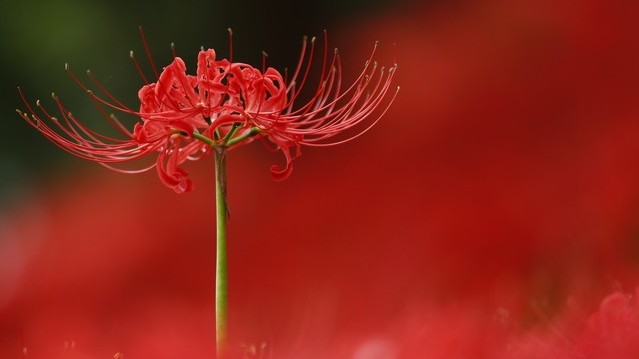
<point x="183" y="117"/>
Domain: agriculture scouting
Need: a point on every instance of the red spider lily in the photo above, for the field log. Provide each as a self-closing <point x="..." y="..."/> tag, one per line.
<point x="182" y="117"/>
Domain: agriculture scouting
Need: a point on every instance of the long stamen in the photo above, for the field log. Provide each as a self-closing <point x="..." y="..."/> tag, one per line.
<point x="138" y="68"/>
<point x="264" y="56"/>
<point x="300" y="61"/>
<point x="230" y="31"/>
<point x="145" y="44"/>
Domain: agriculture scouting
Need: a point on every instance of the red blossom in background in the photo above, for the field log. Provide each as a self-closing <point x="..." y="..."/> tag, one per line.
<point x="182" y="117"/>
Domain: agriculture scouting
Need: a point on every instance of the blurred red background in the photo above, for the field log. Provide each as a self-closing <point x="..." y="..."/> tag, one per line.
<point x="486" y="216"/>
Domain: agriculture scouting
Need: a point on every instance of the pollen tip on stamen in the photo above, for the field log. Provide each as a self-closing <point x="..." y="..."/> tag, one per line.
<point x="313" y="39"/>
<point x="38" y="103"/>
<point x="230" y="31"/>
<point x="53" y="96"/>
<point x="172" y="46"/>
<point x="201" y="47"/>
<point x="66" y="66"/>
<point x="131" y="54"/>
<point x="264" y="53"/>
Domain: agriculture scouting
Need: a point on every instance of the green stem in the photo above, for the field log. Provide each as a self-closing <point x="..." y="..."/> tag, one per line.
<point x="221" y="211"/>
<point x="252" y="132"/>
<point x="204" y="139"/>
<point x="228" y="140"/>
<point x="221" y="274"/>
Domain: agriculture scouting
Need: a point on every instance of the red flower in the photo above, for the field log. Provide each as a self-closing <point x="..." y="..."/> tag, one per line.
<point x="182" y="117"/>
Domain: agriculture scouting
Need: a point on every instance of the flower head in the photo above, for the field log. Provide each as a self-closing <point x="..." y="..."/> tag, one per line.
<point x="183" y="117"/>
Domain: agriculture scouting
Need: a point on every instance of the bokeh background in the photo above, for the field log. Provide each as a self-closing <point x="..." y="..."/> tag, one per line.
<point x="494" y="213"/>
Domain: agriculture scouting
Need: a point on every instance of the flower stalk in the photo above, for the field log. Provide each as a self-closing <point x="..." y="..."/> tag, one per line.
<point x="221" y="268"/>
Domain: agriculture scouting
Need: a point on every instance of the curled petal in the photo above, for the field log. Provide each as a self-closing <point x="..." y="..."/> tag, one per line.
<point x="173" y="100"/>
<point x="277" y="172"/>
<point x="177" y="179"/>
<point x="210" y="73"/>
<point x="291" y="150"/>
<point x="168" y="168"/>
<point x="175" y="86"/>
